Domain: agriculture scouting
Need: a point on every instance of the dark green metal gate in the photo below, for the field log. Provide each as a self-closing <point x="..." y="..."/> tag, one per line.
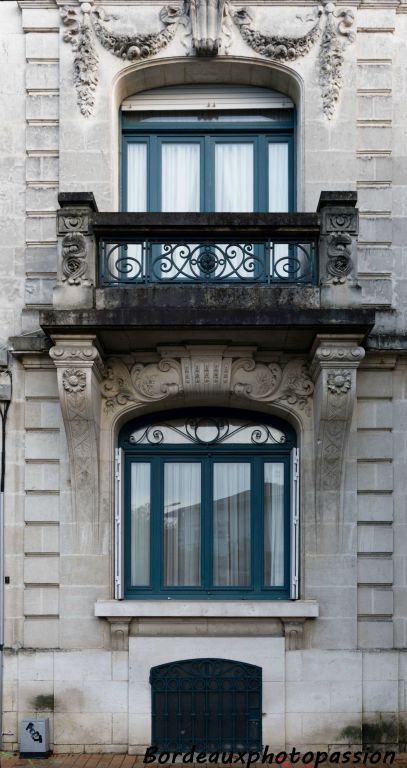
<point x="206" y="704"/>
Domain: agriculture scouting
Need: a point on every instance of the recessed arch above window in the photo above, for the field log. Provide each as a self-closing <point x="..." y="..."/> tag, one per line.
<point x="200" y="148"/>
<point x="209" y="506"/>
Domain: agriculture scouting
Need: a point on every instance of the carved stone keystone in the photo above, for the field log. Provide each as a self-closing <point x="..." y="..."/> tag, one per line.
<point x="334" y="366"/>
<point x="80" y="370"/>
<point x="338" y="249"/>
<point x="77" y="252"/>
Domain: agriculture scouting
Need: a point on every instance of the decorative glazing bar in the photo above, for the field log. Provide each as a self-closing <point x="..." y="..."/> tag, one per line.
<point x="141" y="261"/>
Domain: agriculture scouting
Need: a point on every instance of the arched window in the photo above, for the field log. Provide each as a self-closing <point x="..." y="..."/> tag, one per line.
<point x="209" y="506"/>
<point x="219" y="148"/>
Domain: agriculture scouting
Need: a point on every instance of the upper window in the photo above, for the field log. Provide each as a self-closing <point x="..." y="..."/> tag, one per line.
<point x="208" y="506"/>
<point x="226" y="149"/>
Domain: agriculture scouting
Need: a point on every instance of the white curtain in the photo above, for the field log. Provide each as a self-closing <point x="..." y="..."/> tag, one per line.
<point x="182" y="524"/>
<point x="140" y="524"/>
<point x="180" y="183"/>
<point x="234" y="191"/>
<point x="137" y="177"/>
<point x="274" y="525"/>
<point x="278" y="177"/>
<point x="231" y="525"/>
<point x="278" y="198"/>
<point x="180" y="193"/>
<point x="136" y="202"/>
<point x="234" y="177"/>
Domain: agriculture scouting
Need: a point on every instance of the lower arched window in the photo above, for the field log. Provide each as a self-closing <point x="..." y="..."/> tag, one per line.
<point x="209" y="507"/>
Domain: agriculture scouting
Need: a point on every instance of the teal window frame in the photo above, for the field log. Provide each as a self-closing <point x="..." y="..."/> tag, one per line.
<point x="207" y="133"/>
<point x="207" y="455"/>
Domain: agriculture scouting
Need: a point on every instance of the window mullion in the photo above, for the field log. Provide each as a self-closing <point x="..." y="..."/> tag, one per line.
<point x="207" y="523"/>
<point x="257" y="512"/>
<point x="157" y="500"/>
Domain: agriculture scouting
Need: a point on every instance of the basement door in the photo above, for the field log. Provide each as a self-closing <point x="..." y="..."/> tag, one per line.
<point x="207" y="705"/>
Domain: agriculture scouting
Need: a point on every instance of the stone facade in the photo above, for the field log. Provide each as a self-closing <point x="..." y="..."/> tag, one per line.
<point x="335" y="660"/>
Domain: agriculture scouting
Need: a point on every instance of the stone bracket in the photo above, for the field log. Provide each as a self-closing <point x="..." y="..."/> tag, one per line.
<point x="338" y="249"/>
<point x="77" y="263"/>
<point x="294" y="634"/>
<point x="79" y="371"/>
<point x="119" y="633"/>
<point x="334" y="365"/>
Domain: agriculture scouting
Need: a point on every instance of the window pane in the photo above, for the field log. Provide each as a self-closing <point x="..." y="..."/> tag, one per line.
<point x="278" y="177"/>
<point x="182" y="524"/>
<point x="274" y="525"/>
<point x="180" y="192"/>
<point x="234" y="177"/>
<point x="129" y="262"/>
<point x="140" y="524"/>
<point x="137" y="177"/>
<point x="231" y="525"/>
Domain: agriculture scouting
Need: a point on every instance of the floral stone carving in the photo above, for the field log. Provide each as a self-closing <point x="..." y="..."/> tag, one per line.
<point x="86" y="25"/>
<point x="208" y="22"/>
<point x="334" y="34"/>
<point x="199" y="374"/>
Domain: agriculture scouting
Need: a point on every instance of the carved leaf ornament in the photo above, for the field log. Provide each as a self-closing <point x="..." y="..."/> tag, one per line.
<point x="289" y="384"/>
<point x="207" y="24"/>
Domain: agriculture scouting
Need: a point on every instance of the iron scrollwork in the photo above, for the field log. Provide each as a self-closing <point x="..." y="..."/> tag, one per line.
<point x="148" y="261"/>
<point x="207" y="431"/>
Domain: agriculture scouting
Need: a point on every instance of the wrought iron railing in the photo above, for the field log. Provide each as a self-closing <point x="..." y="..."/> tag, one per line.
<point x="201" y="248"/>
<point x="156" y="261"/>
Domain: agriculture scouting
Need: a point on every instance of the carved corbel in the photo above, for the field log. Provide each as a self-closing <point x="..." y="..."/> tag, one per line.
<point x="338" y="249"/>
<point x="294" y="634"/>
<point x="80" y="371"/>
<point x="77" y="252"/>
<point x="334" y="367"/>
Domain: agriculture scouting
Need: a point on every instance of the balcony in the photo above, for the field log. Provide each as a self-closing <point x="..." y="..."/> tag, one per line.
<point x="139" y="249"/>
<point x="276" y="278"/>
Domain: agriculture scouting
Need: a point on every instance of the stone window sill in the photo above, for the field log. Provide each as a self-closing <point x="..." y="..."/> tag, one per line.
<point x="294" y="610"/>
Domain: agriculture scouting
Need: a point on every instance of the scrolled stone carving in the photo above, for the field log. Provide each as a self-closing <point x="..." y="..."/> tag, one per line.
<point x="195" y="373"/>
<point x="339" y="252"/>
<point x="74" y="259"/>
<point x="346" y="353"/>
<point x="272" y="46"/>
<point x="256" y="381"/>
<point x="273" y="383"/>
<point x="140" y="383"/>
<point x="73" y="221"/>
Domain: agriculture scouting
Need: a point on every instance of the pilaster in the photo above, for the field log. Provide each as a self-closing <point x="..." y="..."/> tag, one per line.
<point x="80" y="369"/>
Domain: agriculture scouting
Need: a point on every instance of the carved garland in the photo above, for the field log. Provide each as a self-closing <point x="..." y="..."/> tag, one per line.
<point x="208" y="21"/>
<point x="82" y="32"/>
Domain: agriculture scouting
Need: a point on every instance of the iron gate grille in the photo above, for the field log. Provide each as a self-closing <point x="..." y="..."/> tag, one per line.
<point x="208" y="705"/>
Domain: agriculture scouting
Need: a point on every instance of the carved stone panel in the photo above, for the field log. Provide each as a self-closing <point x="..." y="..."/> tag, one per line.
<point x="334" y="370"/>
<point x="197" y="372"/>
<point x="79" y="370"/>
